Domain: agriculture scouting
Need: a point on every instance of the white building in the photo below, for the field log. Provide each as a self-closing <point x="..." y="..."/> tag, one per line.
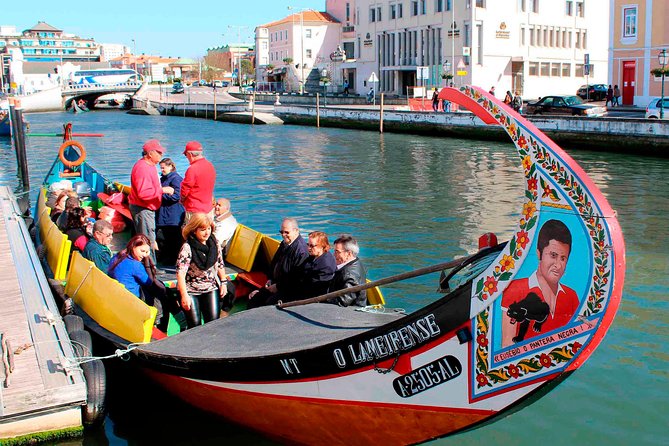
<point x="298" y="49"/>
<point x="109" y="51"/>
<point x="536" y="47"/>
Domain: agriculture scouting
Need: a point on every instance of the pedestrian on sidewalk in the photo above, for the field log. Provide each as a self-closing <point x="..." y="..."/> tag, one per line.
<point x="346" y="87"/>
<point x="435" y="100"/>
<point x="609" y="96"/>
<point x="616" y="96"/>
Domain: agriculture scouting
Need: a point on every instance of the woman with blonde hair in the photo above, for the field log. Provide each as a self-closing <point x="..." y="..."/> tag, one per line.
<point x="200" y="271"/>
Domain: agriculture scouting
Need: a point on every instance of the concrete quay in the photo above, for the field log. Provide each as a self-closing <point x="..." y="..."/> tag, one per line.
<point x="613" y="134"/>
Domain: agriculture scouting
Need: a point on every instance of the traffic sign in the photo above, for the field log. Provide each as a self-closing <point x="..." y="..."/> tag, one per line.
<point x="373" y="78"/>
<point x="422" y="73"/>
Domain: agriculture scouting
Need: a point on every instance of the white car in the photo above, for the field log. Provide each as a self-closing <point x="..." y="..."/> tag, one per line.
<point x="653" y="109"/>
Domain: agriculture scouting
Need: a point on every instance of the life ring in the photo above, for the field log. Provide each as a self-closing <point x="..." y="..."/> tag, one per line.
<point x="82" y="153"/>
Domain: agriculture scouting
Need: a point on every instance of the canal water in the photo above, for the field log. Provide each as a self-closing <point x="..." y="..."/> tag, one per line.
<point x="412" y="201"/>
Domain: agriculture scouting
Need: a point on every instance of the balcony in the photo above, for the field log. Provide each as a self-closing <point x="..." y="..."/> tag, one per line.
<point x="348" y="29"/>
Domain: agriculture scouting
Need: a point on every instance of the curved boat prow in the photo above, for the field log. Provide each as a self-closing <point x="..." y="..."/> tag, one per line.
<point x="547" y="301"/>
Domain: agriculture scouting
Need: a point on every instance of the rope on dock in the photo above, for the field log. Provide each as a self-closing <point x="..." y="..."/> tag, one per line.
<point x="7" y="358"/>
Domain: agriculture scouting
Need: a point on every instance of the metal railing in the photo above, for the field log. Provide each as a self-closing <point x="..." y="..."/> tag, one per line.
<point x="78" y="88"/>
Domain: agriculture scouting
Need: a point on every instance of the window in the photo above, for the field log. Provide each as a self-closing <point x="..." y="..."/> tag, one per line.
<point x="423" y="7"/>
<point x="438" y="5"/>
<point x="393" y="12"/>
<point x="399" y="10"/>
<point x="307" y="33"/>
<point x="585" y="39"/>
<point x="522" y="5"/>
<point x="544" y="68"/>
<point x="414" y="7"/>
<point x="533" y="69"/>
<point x="578" y="70"/>
<point x="566" y="69"/>
<point x="448" y="5"/>
<point x="308" y="53"/>
<point x="534" y="6"/>
<point x="629" y="21"/>
<point x="533" y="40"/>
<point x="348" y="12"/>
<point x="372" y="15"/>
<point x="555" y="69"/>
<point x="580" y="9"/>
<point x="378" y="14"/>
<point x="480" y="3"/>
<point x="569" y="8"/>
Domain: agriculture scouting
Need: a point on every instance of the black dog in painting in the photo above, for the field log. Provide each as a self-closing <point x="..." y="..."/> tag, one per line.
<point x="532" y="308"/>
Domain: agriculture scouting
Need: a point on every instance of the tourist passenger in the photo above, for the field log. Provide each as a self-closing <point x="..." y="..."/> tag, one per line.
<point x="200" y="271"/>
<point x="492" y="91"/>
<point x="435" y="100"/>
<point x="170" y="215"/>
<point x="59" y="203"/>
<point x="285" y="269"/>
<point x="350" y="272"/>
<point x="197" y="188"/>
<point x="146" y="192"/>
<point x="71" y="203"/>
<point x="318" y="270"/>
<point x="115" y="218"/>
<point x="75" y="229"/>
<point x="128" y="267"/>
<point x="97" y="249"/>
<point x="225" y="223"/>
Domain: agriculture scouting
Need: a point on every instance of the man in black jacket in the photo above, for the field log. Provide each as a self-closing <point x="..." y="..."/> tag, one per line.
<point x="286" y="267"/>
<point x="350" y="272"/>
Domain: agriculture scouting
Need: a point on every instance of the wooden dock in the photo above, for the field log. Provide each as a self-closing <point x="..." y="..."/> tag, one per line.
<point x="46" y="388"/>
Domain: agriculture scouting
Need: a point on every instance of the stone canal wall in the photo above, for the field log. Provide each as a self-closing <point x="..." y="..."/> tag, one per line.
<point x="612" y="134"/>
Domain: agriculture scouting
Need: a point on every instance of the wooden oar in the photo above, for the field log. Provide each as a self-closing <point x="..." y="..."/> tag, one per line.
<point x="386" y="280"/>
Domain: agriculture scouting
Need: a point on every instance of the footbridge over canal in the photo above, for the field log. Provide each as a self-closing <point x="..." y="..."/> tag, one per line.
<point x="90" y="92"/>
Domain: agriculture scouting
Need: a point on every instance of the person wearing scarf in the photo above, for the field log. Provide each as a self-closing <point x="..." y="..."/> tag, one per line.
<point x="200" y="271"/>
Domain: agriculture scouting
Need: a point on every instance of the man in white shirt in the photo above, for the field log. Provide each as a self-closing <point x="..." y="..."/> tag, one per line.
<point x="224" y="222"/>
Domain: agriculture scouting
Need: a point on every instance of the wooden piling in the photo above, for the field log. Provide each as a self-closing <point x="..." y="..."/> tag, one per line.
<point x="253" y="108"/>
<point x="381" y="116"/>
<point x="318" y="110"/>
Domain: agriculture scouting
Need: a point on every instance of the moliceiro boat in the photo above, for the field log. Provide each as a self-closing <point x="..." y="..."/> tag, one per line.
<point x="511" y="323"/>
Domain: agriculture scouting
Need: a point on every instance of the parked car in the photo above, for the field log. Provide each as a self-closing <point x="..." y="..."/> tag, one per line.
<point x="177" y="88"/>
<point x="225" y="83"/>
<point x="563" y="105"/>
<point x="596" y="92"/>
<point x="653" y="108"/>
<point x="217" y="84"/>
<point x="195" y="84"/>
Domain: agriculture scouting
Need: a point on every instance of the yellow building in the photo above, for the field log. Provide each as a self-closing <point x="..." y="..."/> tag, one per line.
<point x="639" y="32"/>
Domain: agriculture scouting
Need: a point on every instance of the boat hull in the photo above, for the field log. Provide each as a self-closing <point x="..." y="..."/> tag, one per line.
<point x="321" y="421"/>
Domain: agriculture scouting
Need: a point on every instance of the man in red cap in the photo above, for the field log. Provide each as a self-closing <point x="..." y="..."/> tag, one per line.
<point x="146" y="192"/>
<point x="197" y="188"/>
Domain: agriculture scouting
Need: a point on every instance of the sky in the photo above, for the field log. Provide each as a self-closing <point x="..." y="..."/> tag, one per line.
<point x="163" y="28"/>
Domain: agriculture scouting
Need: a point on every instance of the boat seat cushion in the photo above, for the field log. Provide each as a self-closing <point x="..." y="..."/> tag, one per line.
<point x="243" y="248"/>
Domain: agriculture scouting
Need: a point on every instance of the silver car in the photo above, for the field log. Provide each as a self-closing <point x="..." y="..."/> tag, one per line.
<point x="653" y="109"/>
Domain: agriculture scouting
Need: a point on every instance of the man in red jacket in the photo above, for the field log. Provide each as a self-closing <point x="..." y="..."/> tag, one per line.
<point x="197" y="188"/>
<point x="146" y="192"/>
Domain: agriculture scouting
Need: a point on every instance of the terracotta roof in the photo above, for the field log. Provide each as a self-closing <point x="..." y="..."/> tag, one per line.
<point x="309" y="16"/>
<point x="43" y="26"/>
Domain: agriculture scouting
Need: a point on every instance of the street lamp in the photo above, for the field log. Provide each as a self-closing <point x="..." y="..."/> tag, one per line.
<point x="662" y="59"/>
<point x="301" y="45"/>
<point x="134" y="53"/>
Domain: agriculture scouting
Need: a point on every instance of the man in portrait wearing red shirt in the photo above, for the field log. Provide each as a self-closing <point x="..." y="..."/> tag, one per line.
<point x="540" y="303"/>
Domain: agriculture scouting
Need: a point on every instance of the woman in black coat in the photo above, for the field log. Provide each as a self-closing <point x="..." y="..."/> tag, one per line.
<point x="170" y="215"/>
